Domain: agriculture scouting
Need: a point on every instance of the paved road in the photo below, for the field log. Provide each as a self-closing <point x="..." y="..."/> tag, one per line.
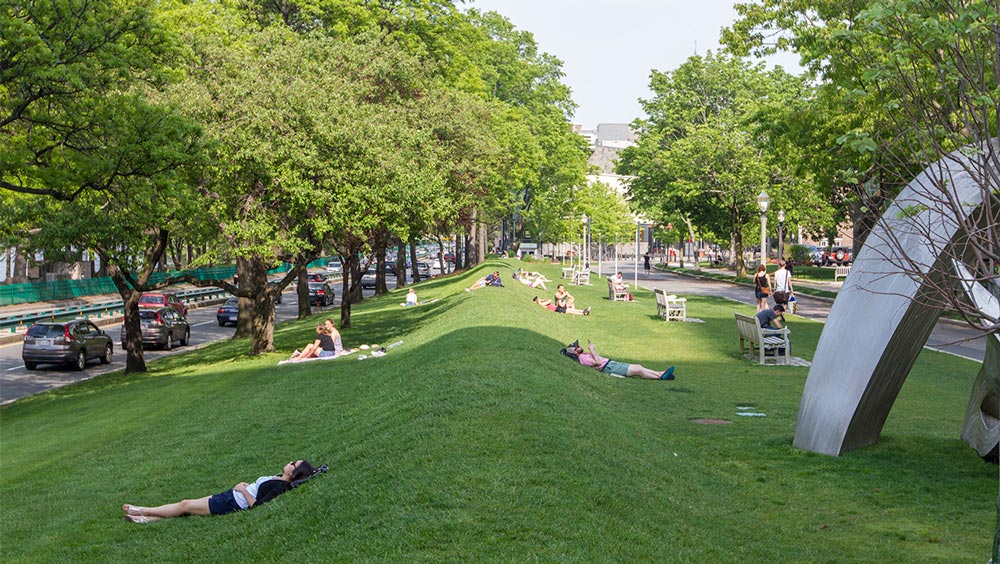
<point x="17" y="382"/>
<point x="948" y="336"/>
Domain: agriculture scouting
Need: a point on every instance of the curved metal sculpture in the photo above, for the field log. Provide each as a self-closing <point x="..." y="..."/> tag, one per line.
<point x="981" y="429"/>
<point x="881" y="313"/>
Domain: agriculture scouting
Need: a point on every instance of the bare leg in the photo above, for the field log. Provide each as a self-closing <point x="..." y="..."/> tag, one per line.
<point x="309" y="352"/>
<point x="186" y="507"/>
<point x="640" y="371"/>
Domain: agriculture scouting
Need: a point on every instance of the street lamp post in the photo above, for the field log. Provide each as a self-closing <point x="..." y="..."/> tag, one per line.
<point x="781" y="235"/>
<point x="585" y="256"/>
<point x="763" y="201"/>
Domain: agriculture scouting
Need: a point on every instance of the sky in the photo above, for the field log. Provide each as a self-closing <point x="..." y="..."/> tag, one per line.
<point x="609" y="47"/>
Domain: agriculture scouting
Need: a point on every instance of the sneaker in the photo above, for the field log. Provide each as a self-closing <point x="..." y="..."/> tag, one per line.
<point x="468" y="290"/>
<point x="586" y="310"/>
<point x="668" y="375"/>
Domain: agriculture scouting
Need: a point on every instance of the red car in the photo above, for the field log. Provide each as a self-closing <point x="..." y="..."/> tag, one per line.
<point x="163" y="299"/>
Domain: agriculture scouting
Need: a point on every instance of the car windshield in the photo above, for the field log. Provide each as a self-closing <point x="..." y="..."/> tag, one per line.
<point x="147" y="314"/>
<point x="46" y="331"/>
<point x="316" y="285"/>
<point x="232" y="302"/>
<point x="151" y="299"/>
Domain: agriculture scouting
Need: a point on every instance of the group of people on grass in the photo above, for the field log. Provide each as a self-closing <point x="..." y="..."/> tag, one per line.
<point x="328" y="343"/>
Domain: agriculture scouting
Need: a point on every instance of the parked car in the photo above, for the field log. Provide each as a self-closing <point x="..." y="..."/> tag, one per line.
<point x="424" y="269"/>
<point x="816" y="255"/>
<point x="368" y="279"/>
<point x="316" y="277"/>
<point x="163" y="299"/>
<point x="161" y="327"/>
<point x="321" y="294"/>
<point x="390" y="267"/>
<point x="228" y="312"/>
<point x="840" y="256"/>
<point x="65" y="342"/>
<point x="334" y="267"/>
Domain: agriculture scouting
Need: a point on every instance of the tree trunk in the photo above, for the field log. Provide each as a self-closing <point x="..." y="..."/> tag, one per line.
<point x="401" y="265"/>
<point x="444" y="263"/>
<point x="413" y="261"/>
<point x="243" y="283"/>
<point x="302" y="291"/>
<point x="20" y="273"/>
<point x="263" y="323"/>
<point x="134" y="359"/>
<point x="380" y="287"/>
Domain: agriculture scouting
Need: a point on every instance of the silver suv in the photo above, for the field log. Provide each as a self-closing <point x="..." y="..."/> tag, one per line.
<point x="161" y="327"/>
<point x="65" y="342"/>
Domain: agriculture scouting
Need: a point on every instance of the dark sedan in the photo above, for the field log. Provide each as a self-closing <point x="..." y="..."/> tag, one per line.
<point x="321" y="294"/>
<point x="66" y="342"/>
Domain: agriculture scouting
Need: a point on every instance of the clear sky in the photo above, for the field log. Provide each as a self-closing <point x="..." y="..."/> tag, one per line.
<point x="609" y="47"/>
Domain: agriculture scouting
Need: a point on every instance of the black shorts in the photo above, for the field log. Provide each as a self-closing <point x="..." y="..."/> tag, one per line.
<point x="222" y="503"/>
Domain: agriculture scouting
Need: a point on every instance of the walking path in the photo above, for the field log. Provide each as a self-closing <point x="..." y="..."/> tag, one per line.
<point x="948" y="336"/>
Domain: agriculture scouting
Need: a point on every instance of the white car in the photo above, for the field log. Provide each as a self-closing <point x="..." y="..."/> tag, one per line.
<point x="334" y="268"/>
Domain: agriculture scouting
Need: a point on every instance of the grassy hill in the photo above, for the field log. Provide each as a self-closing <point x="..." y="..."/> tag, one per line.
<point x="475" y="441"/>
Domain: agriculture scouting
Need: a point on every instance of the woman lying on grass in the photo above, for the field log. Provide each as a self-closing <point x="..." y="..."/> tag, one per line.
<point x="242" y="496"/>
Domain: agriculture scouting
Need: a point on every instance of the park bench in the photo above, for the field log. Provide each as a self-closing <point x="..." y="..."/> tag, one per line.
<point x="764" y="341"/>
<point x="669" y="307"/>
<point x="581" y="278"/>
<point x="568" y="272"/>
<point x="841" y="272"/>
<point x="616" y="295"/>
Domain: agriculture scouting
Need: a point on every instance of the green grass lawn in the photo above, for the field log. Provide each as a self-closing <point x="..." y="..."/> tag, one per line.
<point x="475" y="441"/>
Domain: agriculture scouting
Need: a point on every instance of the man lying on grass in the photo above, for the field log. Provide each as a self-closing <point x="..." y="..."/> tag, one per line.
<point x="242" y="496"/>
<point x="615" y="368"/>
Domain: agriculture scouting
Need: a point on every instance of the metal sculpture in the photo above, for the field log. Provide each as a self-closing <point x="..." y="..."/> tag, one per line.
<point x="881" y="314"/>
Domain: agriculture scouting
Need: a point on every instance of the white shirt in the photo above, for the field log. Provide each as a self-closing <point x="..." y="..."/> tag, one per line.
<point x="252" y="490"/>
<point x="781" y="277"/>
<point x="411" y="299"/>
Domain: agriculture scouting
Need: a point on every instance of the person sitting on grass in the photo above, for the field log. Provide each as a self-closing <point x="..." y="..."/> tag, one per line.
<point x="619" y="369"/>
<point x="547" y="304"/>
<point x="322" y="347"/>
<point x="241" y="496"/>
<point x="331" y="330"/>
<point x="563" y="299"/>
<point x="411" y="298"/>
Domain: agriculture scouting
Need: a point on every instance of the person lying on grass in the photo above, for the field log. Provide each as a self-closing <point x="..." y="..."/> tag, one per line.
<point x="620" y="369"/>
<point x="547" y="304"/>
<point x="242" y="496"/>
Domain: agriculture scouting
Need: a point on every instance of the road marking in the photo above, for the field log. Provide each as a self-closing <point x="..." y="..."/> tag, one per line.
<point x="15" y="368"/>
<point x="205" y="323"/>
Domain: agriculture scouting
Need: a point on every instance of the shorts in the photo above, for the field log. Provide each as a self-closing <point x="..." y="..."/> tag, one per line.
<point x="222" y="503"/>
<point x="758" y="294"/>
<point x="615" y="368"/>
<point x="323" y="353"/>
<point x="560" y="309"/>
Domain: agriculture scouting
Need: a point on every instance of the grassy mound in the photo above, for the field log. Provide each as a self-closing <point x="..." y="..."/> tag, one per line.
<point x="475" y="441"/>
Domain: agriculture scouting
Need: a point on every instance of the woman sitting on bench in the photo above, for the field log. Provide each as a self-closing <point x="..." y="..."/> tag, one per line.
<point x="241" y="496"/>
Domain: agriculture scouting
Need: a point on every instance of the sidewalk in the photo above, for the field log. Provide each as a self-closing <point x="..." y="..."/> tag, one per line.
<point x="952" y="337"/>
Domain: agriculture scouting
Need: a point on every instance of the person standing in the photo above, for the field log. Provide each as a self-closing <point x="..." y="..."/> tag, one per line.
<point x="782" y="285"/>
<point x="761" y="287"/>
<point x="645" y="262"/>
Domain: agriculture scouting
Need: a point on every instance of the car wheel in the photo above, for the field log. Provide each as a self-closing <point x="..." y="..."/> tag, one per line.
<point x="169" y="343"/>
<point x="81" y="360"/>
<point x="108" y="352"/>
<point x="222" y="323"/>
<point x="30" y="365"/>
<point x="187" y="338"/>
<point x="840" y="257"/>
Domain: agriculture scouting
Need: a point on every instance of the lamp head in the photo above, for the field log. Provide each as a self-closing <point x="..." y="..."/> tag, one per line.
<point x="763" y="201"/>
<point x="781" y="216"/>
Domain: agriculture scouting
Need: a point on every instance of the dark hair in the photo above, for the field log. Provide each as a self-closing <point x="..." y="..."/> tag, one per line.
<point x="779" y="308"/>
<point x="302" y="470"/>
<point x="534" y="299"/>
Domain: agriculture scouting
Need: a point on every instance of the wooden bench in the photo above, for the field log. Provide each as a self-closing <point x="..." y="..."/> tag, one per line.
<point x="842" y="272"/>
<point x="568" y="272"/>
<point x="616" y="295"/>
<point x="753" y="336"/>
<point x="669" y="307"/>
<point x="581" y="278"/>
